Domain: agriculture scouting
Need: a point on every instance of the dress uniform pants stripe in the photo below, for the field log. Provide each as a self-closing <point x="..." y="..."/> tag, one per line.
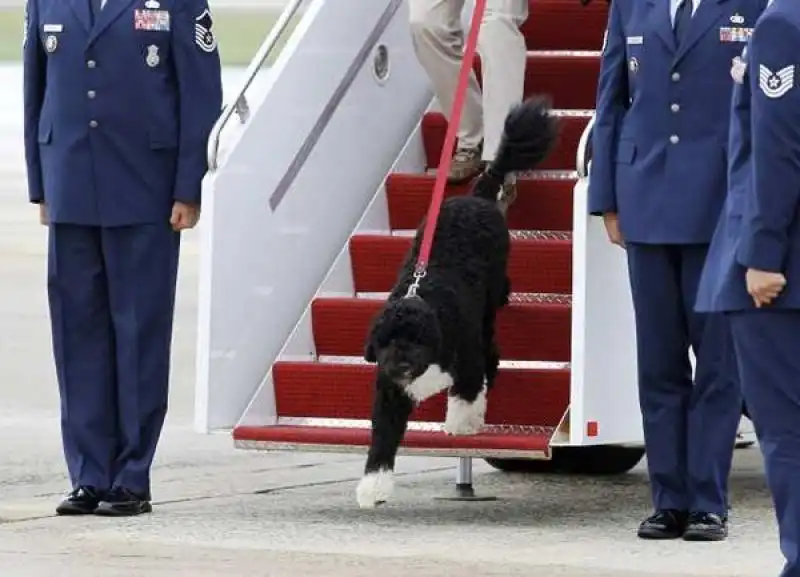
<point x="112" y="293"/>
<point x="769" y="365"/>
<point x="689" y="421"/>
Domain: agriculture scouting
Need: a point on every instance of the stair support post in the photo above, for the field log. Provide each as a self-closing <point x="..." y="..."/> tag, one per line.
<point x="464" y="491"/>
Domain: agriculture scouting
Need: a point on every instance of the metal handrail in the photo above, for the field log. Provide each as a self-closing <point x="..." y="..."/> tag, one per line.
<point x="583" y="156"/>
<point x="240" y="105"/>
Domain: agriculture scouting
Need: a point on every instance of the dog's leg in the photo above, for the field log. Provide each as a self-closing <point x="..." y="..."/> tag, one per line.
<point x="491" y="352"/>
<point x="506" y="293"/>
<point x="466" y="399"/>
<point x="390" y="412"/>
<point x="492" y="362"/>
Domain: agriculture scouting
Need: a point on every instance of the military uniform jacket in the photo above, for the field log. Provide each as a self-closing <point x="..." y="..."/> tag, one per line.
<point x="118" y="110"/>
<point x="764" y="219"/>
<point x="661" y="128"/>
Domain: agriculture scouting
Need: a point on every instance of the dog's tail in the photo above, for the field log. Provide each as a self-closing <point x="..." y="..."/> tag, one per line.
<point x="530" y="133"/>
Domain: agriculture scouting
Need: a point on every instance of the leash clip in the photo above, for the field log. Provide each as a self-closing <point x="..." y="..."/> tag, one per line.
<point x="412" y="289"/>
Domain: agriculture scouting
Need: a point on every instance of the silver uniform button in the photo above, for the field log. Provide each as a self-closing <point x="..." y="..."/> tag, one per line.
<point x="91" y="94"/>
<point x="91" y="64"/>
<point x="675" y="107"/>
<point x="674" y="139"/>
<point x="676" y="76"/>
<point x="93" y="123"/>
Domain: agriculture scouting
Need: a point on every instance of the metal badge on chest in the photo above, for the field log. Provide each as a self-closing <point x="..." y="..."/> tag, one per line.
<point x="153" y="59"/>
<point x="51" y="43"/>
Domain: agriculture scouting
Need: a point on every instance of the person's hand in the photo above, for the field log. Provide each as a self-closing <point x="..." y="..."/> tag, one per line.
<point x="764" y="287"/>
<point x="43" y="220"/>
<point x="184" y="216"/>
<point x="611" y="221"/>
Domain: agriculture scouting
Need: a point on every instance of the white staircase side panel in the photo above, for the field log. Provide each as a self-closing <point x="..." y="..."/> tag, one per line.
<point x="603" y="386"/>
<point x="337" y="283"/>
<point x="291" y="190"/>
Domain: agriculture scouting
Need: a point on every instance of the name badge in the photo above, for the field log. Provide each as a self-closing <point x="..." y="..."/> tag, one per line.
<point x="729" y="34"/>
<point x="153" y="20"/>
<point x="634" y="40"/>
<point x="49" y="28"/>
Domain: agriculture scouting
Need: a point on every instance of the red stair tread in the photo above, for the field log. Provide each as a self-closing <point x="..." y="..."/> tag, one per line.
<point x="541" y="204"/>
<point x="570" y="80"/>
<point x="525" y="331"/>
<point x="357" y="437"/>
<point x="434" y="127"/>
<point x="341" y="391"/>
<point x="565" y="25"/>
<point x="535" y="265"/>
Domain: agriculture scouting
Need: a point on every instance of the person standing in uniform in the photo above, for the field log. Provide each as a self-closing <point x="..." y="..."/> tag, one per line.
<point x="658" y="178"/>
<point x="438" y="37"/>
<point x="754" y="273"/>
<point x="120" y="97"/>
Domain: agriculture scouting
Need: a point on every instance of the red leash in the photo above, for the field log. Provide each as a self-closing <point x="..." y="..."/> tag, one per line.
<point x="446" y="159"/>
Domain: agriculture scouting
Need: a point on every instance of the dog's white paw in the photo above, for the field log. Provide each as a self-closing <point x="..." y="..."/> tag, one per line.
<point x="464" y="418"/>
<point x="374" y="489"/>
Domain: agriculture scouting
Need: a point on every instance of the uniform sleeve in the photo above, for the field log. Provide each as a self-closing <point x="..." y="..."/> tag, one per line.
<point x="775" y="124"/>
<point x="612" y="103"/>
<point x="198" y="71"/>
<point x="34" y="69"/>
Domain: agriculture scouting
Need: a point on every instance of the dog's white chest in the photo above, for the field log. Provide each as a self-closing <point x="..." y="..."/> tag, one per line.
<point x="432" y="381"/>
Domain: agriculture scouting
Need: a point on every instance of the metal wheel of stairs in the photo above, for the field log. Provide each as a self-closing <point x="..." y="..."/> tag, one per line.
<point x="325" y="405"/>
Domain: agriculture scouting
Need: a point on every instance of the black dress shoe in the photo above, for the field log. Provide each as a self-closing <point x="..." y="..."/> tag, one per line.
<point x="663" y="524"/>
<point x="706" y="527"/>
<point x="121" y="502"/>
<point x="81" y="501"/>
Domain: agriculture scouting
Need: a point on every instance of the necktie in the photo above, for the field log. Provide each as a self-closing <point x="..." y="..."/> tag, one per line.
<point x="96" y="7"/>
<point x="683" y="16"/>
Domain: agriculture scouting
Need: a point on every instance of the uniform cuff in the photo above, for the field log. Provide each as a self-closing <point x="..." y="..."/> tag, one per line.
<point x="762" y="252"/>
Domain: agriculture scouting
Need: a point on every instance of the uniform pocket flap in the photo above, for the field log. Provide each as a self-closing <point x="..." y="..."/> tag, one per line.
<point x="626" y="152"/>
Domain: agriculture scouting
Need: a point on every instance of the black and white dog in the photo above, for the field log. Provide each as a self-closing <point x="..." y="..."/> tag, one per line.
<point x="443" y="337"/>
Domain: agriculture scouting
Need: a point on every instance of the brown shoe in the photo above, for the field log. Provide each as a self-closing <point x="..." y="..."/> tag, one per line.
<point x="466" y="164"/>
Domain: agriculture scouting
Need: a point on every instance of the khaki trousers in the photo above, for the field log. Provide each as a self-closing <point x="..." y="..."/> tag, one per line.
<point x="439" y="42"/>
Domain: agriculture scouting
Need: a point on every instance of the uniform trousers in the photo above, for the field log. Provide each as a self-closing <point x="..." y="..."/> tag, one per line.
<point x="111" y="295"/>
<point x="769" y="365"/>
<point x="689" y="421"/>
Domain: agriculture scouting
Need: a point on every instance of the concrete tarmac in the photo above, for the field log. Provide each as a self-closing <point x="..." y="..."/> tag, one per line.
<point x="222" y="512"/>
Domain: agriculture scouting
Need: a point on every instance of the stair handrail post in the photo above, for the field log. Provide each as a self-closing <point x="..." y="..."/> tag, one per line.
<point x="240" y="105"/>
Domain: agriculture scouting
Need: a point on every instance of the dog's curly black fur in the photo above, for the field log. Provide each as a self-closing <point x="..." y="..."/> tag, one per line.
<point x="444" y="336"/>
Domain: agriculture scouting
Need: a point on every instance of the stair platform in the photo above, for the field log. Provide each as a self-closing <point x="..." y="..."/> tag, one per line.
<point x="325" y="406"/>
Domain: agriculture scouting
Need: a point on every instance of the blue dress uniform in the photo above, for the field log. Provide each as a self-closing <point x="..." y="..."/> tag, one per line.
<point x="762" y="233"/>
<point x="660" y="164"/>
<point x="119" y="101"/>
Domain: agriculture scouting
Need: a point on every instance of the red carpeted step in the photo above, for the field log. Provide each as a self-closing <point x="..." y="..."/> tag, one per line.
<point x="435" y="444"/>
<point x="569" y="79"/>
<point x="535" y="265"/>
<point x="527" y="331"/>
<point x="565" y="25"/>
<point x="342" y="391"/>
<point x="542" y="204"/>
<point x="434" y="127"/>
